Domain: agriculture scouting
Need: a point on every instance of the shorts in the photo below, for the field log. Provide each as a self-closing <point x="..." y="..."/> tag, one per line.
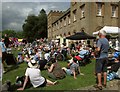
<point x="4" y="55"/>
<point x="69" y="72"/>
<point x="44" y="84"/>
<point x="101" y="65"/>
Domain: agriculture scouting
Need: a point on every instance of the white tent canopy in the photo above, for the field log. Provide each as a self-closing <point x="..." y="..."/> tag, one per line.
<point x="109" y="30"/>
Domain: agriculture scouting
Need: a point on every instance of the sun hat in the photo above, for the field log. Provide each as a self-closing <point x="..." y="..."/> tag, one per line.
<point x="33" y="64"/>
<point x="103" y="32"/>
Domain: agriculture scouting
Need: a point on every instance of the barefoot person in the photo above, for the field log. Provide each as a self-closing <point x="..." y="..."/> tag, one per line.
<point x="34" y="74"/>
<point x="102" y="58"/>
<point x="74" y="69"/>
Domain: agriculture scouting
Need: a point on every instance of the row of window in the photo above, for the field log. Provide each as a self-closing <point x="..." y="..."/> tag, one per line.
<point x="100" y="10"/>
<point x="99" y="13"/>
<point x="62" y="35"/>
<point x="61" y="23"/>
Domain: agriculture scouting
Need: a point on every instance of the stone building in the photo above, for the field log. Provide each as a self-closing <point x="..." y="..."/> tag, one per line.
<point x="82" y="16"/>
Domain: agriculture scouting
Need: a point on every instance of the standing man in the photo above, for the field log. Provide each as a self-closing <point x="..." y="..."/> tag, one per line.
<point x="6" y="41"/>
<point x="102" y="59"/>
<point x="4" y="54"/>
<point x="0" y="69"/>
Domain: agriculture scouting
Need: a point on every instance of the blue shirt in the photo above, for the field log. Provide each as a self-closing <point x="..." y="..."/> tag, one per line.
<point x="116" y="54"/>
<point x="103" y="44"/>
<point x="83" y="53"/>
<point x="2" y="45"/>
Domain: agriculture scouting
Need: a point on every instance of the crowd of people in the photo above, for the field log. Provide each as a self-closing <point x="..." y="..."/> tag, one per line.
<point x="44" y="55"/>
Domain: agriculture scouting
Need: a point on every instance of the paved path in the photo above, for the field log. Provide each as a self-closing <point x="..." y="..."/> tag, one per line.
<point x="0" y="85"/>
<point x="113" y="85"/>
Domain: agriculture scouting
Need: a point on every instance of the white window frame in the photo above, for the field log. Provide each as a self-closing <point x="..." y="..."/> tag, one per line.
<point x="114" y="10"/>
<point x="99" y="9"/>
<point x="69" y="20"/>
<point x="61" y="24"/>
<point x="82" y="11"/>
<point x="74" y="15"/>
<point x="58" y="27"/>
<point x="64" y="21"/>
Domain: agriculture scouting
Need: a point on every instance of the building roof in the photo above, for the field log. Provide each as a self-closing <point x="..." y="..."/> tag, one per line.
<point x="63" y="15"/>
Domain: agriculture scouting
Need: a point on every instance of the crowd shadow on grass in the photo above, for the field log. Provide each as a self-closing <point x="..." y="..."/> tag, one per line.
<point x="10" y="68"/>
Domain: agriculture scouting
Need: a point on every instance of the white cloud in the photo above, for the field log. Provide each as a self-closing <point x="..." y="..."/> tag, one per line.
<point x="8" y="7"/>
<point x="13" y="24"/>
<point x="59" y="0"/>
<point x="53" y="7"/>
<point x="36" y="0"/>
<point x="26" y="11"/>
<point x="14" y="13"/>
<point x="21" y="0"/>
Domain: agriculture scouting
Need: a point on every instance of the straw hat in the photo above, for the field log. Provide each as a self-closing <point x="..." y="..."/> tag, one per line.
<point x="33" y="64"/>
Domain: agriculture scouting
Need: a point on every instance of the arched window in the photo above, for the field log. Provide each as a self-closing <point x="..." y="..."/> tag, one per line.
<point x="64" y="34"/>
<point x="68" y="33"/>
<point x="82" y="30"/>
<point x="61" y="35"/>
<point x="74" y="31"/>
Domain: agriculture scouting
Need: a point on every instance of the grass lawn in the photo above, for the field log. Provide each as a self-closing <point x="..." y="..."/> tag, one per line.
<point x="67" y="83"/>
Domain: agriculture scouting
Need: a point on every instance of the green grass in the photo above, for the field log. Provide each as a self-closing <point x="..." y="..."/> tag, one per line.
<point x="67" y="83"/>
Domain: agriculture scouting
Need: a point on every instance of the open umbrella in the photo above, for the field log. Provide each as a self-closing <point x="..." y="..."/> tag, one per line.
<point x="80" y="36"/>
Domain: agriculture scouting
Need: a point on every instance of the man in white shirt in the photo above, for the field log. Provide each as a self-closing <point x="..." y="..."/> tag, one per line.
<point x="34" y="74"/>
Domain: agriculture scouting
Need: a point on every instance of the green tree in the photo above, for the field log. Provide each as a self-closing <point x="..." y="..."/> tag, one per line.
<point x="20" y="34"/>
<point x="13" y="33"/>
<point x="35" y="26"/>
<point x="10" y="33"/>
<point x="42" y="24"/>
<point x="29" y="27"/>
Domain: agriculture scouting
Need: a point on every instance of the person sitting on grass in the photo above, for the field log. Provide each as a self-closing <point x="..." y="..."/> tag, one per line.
<point x="34" y="74"/>
<point x="114" y="67"/>
<point x="55" y="71"/>
<point x="20" y="58"/>
<point x="74" y="69"/>
<point x="114" y="58"/>
<point x="26" y="58"/>
<point x="71" y="60"/>
<point x="47" y="54"/>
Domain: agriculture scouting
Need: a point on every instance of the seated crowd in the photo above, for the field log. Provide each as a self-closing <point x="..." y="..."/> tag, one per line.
<point x="47" y="57"/>
<point x="44" y="57"/>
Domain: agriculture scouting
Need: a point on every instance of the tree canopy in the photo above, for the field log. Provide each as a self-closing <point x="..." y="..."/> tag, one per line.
<point x="35" y="27"/>
<point x="13" y="33"/>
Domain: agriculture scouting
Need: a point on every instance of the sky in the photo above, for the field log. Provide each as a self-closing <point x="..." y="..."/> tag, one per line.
<point x="14" y="12"/>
